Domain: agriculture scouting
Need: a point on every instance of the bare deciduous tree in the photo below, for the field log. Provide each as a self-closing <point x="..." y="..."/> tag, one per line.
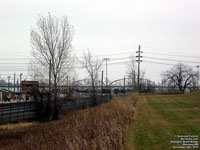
<point x="131" y="71"/>
<point x="92" y="65"/>
<point x="181" y="75"/>
<point x="51" y="47"/>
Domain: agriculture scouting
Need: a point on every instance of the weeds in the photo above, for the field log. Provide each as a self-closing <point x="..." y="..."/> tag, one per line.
<point x="100" y="127"/>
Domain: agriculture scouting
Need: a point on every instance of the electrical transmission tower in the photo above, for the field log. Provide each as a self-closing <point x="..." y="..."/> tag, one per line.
<point x="139" y="60"/>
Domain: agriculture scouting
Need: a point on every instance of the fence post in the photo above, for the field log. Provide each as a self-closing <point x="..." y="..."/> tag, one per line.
<point x="30" y="113"/>
<point x="2" y="113"/>
<point x="10" y="113"/>
<point x="124" y="87"/>
<point x="110" y="94"/>
<point x="17" y="110"/>
<point x="24" y="110"/>
<point x="101" y="85"/>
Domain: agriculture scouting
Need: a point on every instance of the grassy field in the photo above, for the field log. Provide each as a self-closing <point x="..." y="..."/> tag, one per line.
<point x="101" y="127"/>
<point x="159" y="118"/>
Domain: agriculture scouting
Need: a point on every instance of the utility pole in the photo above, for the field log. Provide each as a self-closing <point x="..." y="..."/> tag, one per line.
<point x="139" y="60"/>
<point x="106" y="59"/>
<point x="14" y="82"/>
<point x="198" y="76"/>
<point x="8" y="83"/>
<point x="20" y="85"/>
<point x="17" y="86"/>
<point x="101" y="85"/>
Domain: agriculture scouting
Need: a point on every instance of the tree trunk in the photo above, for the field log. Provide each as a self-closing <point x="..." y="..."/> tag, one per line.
<point x="55" y="113"/>
<point x="180" y="89"/>
<point x="93" y="94"/>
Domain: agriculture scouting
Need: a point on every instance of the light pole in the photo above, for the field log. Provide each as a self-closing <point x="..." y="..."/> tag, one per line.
<point x="20" y="85"/>
<point x="17" y="86"/>
<point x="198" y="76"/>
<point x="8" y="83"/>
<point x="14" y="83"/>
<point x="106" y="59"/>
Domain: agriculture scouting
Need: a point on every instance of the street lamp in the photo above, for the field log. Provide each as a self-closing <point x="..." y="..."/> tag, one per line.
<point x="20" y="85"/>
<point x="106" y="59"/>
<point x="8" y="83"/>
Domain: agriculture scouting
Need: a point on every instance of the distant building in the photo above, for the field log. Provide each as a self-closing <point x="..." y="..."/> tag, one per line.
<point x="27" y="88"/>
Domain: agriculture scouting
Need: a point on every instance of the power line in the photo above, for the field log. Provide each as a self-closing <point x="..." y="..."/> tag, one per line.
<point x="15" y="66"/>
<point x="80" y="57"/>
<point x="17" y="63"/>
<point x="22" y="68"/>
<point x="13" y="70"/>
<point x="158" y="63"/>
<point x="15" y="59"/>
<point x="16" y="55"/>
<point x="12" y="74"/>
<point x="115" y="54"/>
<point x="106" y="55"/>
<point x="171" y="59"/>
<point x="171" y="55"/>
<point x="119" y="58"/>
<point x="79" y="67"/>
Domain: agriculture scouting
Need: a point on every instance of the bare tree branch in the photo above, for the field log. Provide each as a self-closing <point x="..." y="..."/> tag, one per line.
<point x="182" y="75"/>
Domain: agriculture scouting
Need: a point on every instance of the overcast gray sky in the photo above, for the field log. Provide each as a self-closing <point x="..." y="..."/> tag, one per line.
<point x="107" y="27"/>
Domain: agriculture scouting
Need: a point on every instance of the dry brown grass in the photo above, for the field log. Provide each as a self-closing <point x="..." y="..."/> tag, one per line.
<point x="16" y="126"/>
<point x="101" y="127"/>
